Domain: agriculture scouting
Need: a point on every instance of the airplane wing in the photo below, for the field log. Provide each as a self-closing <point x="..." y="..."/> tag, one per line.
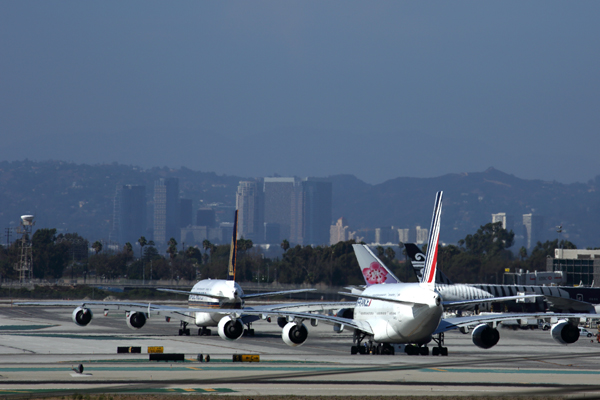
<point x="213" y="296"/>
<point x="250" y="296"/>
<point x="246" y="296"/>
<point x="448" y="324"/>
<point x="489" y="300"/>
<point x="390" y="300"/>
<point x="266" y="312"/>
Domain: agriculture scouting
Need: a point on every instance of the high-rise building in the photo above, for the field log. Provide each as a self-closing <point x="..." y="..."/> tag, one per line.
<point x="206" y="216"/>
<point x="508" y="222"/>
<point x="185" y="213"/>
<point x="404" y="235"/>
<point x="250" y="205"/>
<point x="339" y="232"/>
<point x="166" y="210"/>
<point x="278" y="197"/>
<point x="533" y="229"/>
<point x="422" y="236"/>
<point x="129" y="217"/>
<point x="386" y="235"/>
<point x="311" y="212"/>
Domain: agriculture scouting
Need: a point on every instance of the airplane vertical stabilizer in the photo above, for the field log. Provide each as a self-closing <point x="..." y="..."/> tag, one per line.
<point x="233" y="251"/>
<point x="430" y="269"/>
<point x="373" y="270"/>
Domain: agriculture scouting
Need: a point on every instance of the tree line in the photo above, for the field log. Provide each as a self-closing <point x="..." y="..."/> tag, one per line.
<point x="478" y="258"/>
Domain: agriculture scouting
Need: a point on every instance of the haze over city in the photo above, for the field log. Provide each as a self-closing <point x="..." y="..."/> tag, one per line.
<point x="378" y="90"/>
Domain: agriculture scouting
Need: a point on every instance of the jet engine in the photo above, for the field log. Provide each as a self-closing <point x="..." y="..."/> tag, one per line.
<point x="346" y="313"/>
<point x="564" y="332"/>
<point x="82" y="316"/>
<point x="135" y="319"/>
<point x="485" y="336"/>
<point x="294" y="334"/>
<point x="230" y="329"/>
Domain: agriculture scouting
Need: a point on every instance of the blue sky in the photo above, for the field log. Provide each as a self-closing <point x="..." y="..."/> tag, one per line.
<point x="307" y="88"/>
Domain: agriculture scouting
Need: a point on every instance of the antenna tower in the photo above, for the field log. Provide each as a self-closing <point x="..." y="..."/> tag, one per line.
<point x="25" y="266"/>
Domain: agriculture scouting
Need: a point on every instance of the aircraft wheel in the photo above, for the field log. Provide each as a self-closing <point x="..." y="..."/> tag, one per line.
<point x="208" y="332"/>
<point x="181" y="332"/>
<point x="187" y="332"/>
<point x="207" y="358"/>
<point x="444" y="351"/>
<point x="387" y="350"/>
<point x="362" y="349"/>
<point x="354" y="350"/>
<point x="424" y="351"/>
<point x="435" y="351"/>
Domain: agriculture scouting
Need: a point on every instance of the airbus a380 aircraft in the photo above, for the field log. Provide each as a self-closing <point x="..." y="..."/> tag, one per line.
<point x="210" y="295"/>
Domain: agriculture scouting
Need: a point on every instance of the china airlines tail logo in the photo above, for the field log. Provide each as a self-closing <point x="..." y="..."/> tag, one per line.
<point x="375" y="273"/>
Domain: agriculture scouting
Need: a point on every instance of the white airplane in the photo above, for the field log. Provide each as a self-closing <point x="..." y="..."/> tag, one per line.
<point x="559" y="298"/>
<point x="210" y="295"/>
<point x="384" y="314"/>
<point x="455" y="296"/>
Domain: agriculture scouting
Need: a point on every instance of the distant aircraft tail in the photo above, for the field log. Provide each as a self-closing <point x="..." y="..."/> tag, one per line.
<point x="373" y="270"/>
<point x="432" y="247"/>
<point x="417" y="259"/>
<point x="233" y="251"/>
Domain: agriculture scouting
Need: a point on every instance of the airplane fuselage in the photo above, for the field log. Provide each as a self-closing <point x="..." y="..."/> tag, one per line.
<point x="400" y="323"/>
<point x="231" y="291"/>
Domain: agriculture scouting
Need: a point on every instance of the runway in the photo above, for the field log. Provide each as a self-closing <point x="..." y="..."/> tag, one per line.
<point x="40" y="346"/>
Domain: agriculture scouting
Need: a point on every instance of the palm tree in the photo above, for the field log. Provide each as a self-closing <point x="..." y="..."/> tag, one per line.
<point x="142" y="241"/>
<point x="172" y="249"/>
<point x="97" y="246"/>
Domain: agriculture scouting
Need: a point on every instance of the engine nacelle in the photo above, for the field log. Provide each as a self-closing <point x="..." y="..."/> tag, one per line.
<point x="346" y="313"/>
<point x="230" y="329"/>
<point x="485" y="336"/>
<point x="564" y="332"/>
<point x="82" y="316"/>
<point x="294" y="335"/>
<point x="135" y="320"/>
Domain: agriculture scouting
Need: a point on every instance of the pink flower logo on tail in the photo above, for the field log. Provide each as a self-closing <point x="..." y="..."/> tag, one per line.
<point x="375" y="273"/>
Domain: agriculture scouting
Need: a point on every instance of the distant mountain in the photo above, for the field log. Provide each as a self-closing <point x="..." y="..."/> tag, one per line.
<point x="469" y="201"/>
<point x="79" y="198"/>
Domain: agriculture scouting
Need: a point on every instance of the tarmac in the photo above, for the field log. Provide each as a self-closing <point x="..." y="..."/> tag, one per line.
<point x="41" y="349"/>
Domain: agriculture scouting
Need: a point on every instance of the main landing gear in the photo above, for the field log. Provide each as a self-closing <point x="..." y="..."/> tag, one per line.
<point x="439" y="350"/>
<point x="369" y="347"/>
<point x="183" y="329"/>
<point x="204" y="331"/>
<point x="248" y="331"/>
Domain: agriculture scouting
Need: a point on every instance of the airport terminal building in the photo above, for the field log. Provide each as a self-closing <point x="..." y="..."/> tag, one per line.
<point x="578" y="266"/>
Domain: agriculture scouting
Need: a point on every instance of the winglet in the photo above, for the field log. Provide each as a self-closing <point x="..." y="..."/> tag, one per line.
<point x="432" y="245"/>
<point x="373" y="270"/>
<point x="233" y="251"/>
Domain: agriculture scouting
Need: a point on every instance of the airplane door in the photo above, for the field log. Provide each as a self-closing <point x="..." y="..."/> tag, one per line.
<point x="579" y="297"/>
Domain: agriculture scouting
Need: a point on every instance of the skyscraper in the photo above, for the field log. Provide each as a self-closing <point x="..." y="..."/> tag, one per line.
<point x="185" y="213"/>
<point x="507" y="221"/>
<point x="533" y="226"/>
<point x="166" y="209"/>
<point x="311" y="212"/>
<point x="278" y="195"/>
<point x="250" y="205"/>
<point x="129" y="218"/>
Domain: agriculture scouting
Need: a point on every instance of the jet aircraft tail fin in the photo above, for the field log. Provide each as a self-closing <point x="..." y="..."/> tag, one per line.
<point x="373" y="270"/>
<point x="417" y="259"/>
<point x="431" y="256"/>
<point x="233" y="251"/>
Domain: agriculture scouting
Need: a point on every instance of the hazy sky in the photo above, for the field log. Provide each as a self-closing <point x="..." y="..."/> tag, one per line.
<point x="373" y="88"/>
